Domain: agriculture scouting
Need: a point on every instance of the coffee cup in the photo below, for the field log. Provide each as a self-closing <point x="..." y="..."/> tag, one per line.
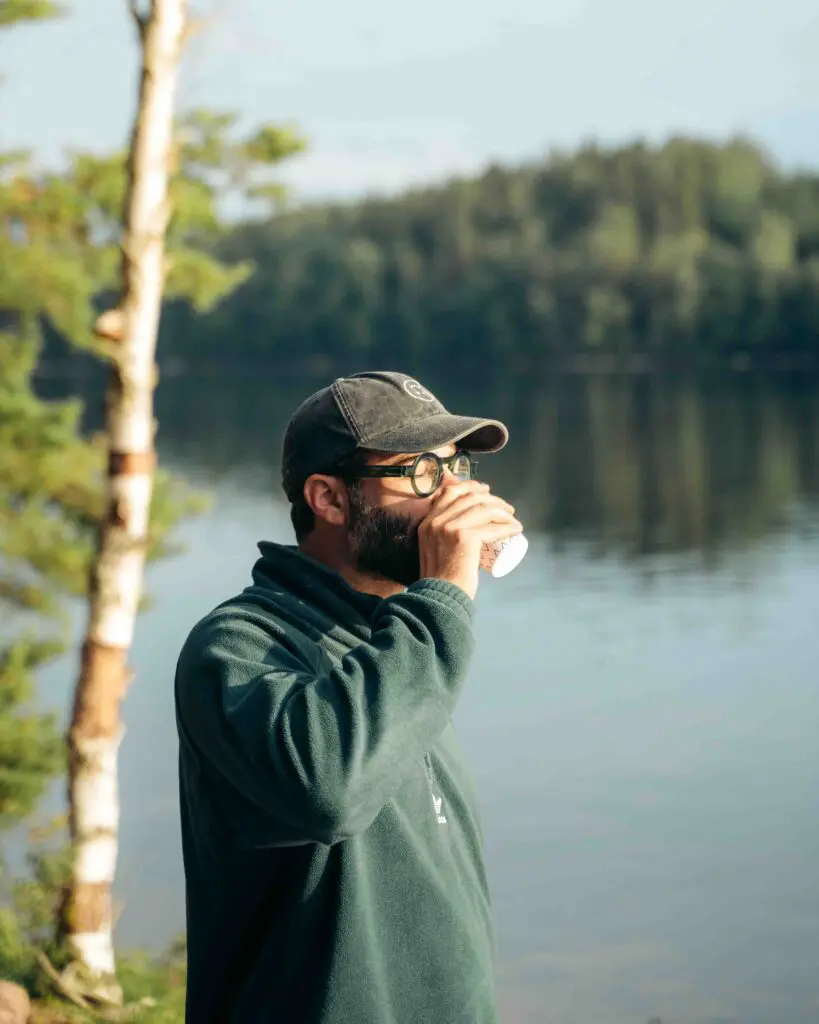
<point x="503" y="556"/>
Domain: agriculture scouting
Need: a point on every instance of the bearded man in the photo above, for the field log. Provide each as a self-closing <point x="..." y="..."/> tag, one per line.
<point x="332" y="849"/>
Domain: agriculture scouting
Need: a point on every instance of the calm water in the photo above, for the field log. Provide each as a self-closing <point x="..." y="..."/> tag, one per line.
<point x="642" y="713"/>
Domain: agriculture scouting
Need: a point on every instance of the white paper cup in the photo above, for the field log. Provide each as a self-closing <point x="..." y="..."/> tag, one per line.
<point x="503" y="556"/>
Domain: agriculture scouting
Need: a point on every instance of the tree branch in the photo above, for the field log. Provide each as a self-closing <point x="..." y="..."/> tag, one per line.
<point x="140" y="20"/>
<point x="196" y="26"/>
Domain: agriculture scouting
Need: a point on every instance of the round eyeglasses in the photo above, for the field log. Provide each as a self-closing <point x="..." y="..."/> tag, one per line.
<point x="426" y="471"/>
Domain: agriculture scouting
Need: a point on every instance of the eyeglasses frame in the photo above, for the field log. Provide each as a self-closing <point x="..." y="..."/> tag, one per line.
<point x="379" y="472"/>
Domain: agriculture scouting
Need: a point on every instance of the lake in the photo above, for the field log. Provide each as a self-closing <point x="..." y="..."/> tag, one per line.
<point x="642" y="714"/>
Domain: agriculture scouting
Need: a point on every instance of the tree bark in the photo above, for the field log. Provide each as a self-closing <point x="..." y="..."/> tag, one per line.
<point x="117" y="574"/>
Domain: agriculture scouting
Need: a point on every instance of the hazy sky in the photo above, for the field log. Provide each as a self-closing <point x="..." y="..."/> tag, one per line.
<point x="391" y="94"/>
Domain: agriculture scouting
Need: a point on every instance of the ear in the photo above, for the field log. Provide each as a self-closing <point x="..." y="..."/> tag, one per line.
<point x="327" y="497"/>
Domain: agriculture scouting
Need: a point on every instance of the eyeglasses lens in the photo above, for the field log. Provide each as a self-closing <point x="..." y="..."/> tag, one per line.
<point x="427" y="476"/>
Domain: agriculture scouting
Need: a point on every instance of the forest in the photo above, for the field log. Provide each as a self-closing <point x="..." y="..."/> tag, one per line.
<point x="686" y="253"/>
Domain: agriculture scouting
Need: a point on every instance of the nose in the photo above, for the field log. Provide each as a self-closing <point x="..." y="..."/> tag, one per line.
<point x="448" y="477"/>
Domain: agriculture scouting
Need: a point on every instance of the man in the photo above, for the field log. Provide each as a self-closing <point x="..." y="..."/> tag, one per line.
<point x="332" y="849"/>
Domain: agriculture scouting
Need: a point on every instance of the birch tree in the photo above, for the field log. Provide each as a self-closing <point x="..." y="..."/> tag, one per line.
<point x="174" y="180"/>
<point x="116" y="577"/>
<point x="64" y="506"/>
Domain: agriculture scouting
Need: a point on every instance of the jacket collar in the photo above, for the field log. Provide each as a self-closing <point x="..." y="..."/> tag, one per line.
<point x="282" y="567"/>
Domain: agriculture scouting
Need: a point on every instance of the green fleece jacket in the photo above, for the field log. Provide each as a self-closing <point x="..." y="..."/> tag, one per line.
<point x="331" y="842"/>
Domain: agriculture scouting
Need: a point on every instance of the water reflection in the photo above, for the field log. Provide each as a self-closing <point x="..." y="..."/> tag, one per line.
<point x="644" y="755"/>
<point x="653" y="465"/>
<point x="634" y="466"/>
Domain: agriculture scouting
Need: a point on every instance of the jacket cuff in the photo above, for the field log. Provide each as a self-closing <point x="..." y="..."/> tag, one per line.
<point x="448" y="594"/>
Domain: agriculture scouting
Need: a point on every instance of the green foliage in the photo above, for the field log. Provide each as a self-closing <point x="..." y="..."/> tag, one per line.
<point x="214" y="162"/>
<point x="153" y="985"/>
<point x="48" y="492"/>
<point x="13" y="12"/>
<point x="60" y="246"/>
<point x="158" y="978"/>
<point x="31" y="749"/>
<point x="689" y="251"/>
<point x="29" y="908"/>
<point x="59" y="253"/>
<point x="60" y="238"/>
<point x="51" y="497"/>
<point x="202" y="281"/>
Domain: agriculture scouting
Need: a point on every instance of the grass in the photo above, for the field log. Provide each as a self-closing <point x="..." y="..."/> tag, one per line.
<point x="158" y="979"/>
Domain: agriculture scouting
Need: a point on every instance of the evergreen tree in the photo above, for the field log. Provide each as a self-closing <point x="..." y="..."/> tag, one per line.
<point x="59" y="256"/>
<point x="685" y="252"/>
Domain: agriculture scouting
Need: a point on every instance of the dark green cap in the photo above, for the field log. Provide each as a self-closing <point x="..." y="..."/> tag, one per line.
<point x="377" y="411"/>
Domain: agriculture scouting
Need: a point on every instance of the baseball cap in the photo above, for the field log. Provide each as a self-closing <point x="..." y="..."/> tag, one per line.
<point x="379" y="410"/>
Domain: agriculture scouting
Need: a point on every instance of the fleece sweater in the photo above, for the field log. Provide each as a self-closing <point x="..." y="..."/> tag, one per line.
<point x="332" y="848"/>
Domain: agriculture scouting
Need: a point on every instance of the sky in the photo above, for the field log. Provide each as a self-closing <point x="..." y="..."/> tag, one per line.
<point x="394" y="95"/>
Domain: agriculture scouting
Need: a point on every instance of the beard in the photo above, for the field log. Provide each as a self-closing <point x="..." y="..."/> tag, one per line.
<point x="383" y="542"/>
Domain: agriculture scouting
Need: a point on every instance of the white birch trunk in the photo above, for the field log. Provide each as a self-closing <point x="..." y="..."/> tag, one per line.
<point x="116" y="578"/>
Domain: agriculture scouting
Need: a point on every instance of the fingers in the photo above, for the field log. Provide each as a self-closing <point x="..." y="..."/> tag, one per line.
<point x="461" y="496"/>
<point x="448" y="493"/>
<point x="462" y="517"/>
<point x="466" y="511"/>
<point x="478" y="517"/>
<point x="493" y="532"/>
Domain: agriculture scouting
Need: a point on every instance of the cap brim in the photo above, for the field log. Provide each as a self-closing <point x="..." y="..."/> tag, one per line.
<point x="476" y="435"/>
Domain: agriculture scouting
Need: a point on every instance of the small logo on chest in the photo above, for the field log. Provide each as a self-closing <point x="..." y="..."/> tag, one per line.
<point x="437" y="801"/>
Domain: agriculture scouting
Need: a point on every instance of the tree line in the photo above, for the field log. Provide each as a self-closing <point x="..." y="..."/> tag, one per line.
<point x="686" y="252"/>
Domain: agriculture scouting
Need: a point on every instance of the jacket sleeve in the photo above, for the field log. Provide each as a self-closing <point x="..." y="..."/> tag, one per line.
<point x="321" y="751"/>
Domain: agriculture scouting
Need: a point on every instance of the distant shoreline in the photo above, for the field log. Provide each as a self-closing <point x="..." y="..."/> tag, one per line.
<point x="599" y="364"/>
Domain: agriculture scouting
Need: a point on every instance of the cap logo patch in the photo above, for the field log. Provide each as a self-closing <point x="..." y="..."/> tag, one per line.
<point x="416" y="390"/>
